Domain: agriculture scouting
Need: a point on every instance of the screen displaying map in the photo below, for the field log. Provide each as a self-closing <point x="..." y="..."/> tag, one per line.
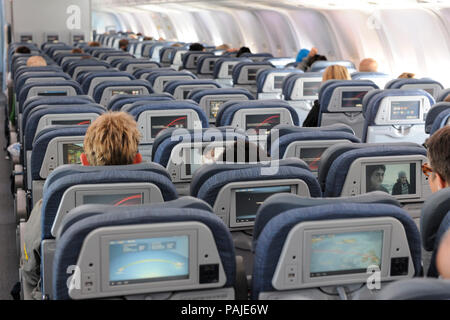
<point x="345" y="253"/>
<point x="148" y="260"/>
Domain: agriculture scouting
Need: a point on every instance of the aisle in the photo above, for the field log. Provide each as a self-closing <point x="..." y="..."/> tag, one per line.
<point x="9" y="273"/>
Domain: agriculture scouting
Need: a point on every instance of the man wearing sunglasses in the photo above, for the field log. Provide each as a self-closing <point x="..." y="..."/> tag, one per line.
<point x="438" y="170"/>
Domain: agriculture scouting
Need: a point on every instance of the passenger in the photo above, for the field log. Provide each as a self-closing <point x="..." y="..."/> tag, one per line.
<point x="147" y="39"/>
<point x="123" y="44"/>
<point x="196" y="47"/>
<point x="438" y="149"/>
<point x="77" y="50"/>
<point x="36" y="61"/>
<point x="94" y="44"/>
<point x="447" y="98"/>
<point x="443" y="256"/>
<point x="23" y="49"/>
<point x="308" y="61"/>
<point x="334" y="72"/>
<point x="177" y="45"/>
<point x="223" y="47"/>
<point x="303" y="53"/>
<point x="112" y="139"/>
<point x="368" y="65"/>
<point x="402" y="186"/>
<point x="375" y="177"/>
<point x="242" y="50"/>
<point x="406" y="75"/>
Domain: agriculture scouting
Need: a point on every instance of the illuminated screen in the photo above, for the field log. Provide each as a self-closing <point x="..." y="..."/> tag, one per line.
<point x="278" y="82"/>
<point x="148" y="260"/>
<point x="353" y="99"/>
<point x="194" y="159"/>
<point x="262" y="123"/>
<point x="52" y="38"/>
<point x="251" y="72"/>
<point x="77" y="122"/>
<point x="125" y="199"/>
<point x="211" y="63"/>
<point x="160" y="123"/>
<point x="395" y="179"/>
<point x="126" y="91"/>
<point x="345" y="253"/>
<point x="312" y="157"/>
<point x="404" y="110"/>
<point x="249" y="200"/>
<point x="26" y="38"/>
<point x="78" y="38"/>
<point x="72" y="153"/>
<point x="214" y="106"/>
<point x="230" y="69"/>
<point x="52" y="93"/>
<point x="311" y="88"/>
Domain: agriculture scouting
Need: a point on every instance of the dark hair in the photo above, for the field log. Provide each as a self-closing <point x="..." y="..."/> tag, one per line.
<point x="371" y="169"/>
<point x="196" y="47"/>
<point x="438" y="146"/>
<point x="315" y="58"/>
<point x="23" y="49"/>
<point x="243" y="50"/>
<point x="123" y="44"/>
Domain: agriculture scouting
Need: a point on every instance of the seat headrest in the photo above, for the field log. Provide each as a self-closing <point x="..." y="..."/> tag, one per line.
<point x="434" y="113"/>
<point x="416" y="289"/>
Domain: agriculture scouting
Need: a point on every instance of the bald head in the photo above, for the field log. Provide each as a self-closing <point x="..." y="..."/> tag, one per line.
<point x="368" y="65"/>
<point x="36" y="61"/>
<point x="443" y="256"/>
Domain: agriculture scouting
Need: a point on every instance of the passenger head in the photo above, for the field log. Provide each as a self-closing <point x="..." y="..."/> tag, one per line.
<point x="443" y="256"/>
<point x="336" y="72"/>
<point x="368" y="65"/>
<point x="77" y="50"/>
<point x="94" y="44"/>
<point x="402" y="177"/>
<point x="147" y="38"/>
<point x="23" y="49"/>
<point x="375" y="174"/>
<point x="223" y="47"/>
<point x="447" y="98"/>
<point x="123" y="44"/>
<point x="36" y="61"/>
<point x="243" y="50"/>
<point x="438" y="147"/>
<point x="177" y="45"/>
<point x="406" y="75"/>
<point x="112" y="139"/>
<point x="196" y="47"/>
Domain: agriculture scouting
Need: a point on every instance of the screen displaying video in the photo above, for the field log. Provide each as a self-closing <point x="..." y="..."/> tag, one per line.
<point x="312" y="157"/>
<point x="214" y="106"/>
<point x="148" y="260"/>
<point x="278" y="82"/>
<point x="160" y="123"/>
<point x="345" y="253"/>
<point x="395" y="179"/>
<point x="126" y="91"/>
<point x="117" y="200"/>
<point x="405" y="110"/>
<point x="194" y="158"/>
<point x="72" y="153"/>
<point x="249" y="200"/>
<point x="251" y="72"/>
<point x="77" y="122"/>
<point x="53" y="93"/>
<point x="311" y="88"/>
<point x="261" y="123"/>
<point x="353" y="99"/>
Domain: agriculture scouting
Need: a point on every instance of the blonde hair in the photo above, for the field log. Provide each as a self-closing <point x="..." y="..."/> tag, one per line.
<point x="447" y="98"/>
<point x="223" y="47"/>
<point x="406" y="75"/>
<point x="36" y="61"/>
<point x="112" y="139"/>
<point x="94" y="44"/>
<point x="336" y="72"/>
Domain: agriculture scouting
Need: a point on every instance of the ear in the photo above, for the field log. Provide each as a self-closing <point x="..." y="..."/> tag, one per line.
<point x="84" y="160"/>
<point x="440" y="181"/>
<point x="137" y="159"/>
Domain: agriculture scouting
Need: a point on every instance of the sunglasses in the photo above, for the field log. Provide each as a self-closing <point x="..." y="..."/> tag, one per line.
<point x="426" y="169"/>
